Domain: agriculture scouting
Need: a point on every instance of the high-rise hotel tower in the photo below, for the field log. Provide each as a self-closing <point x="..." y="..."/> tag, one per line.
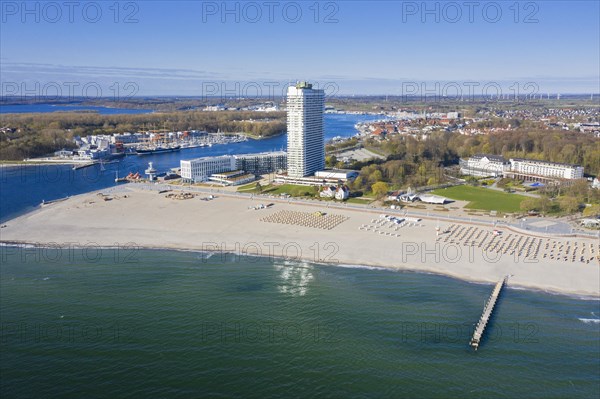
<point x="306" y="138"/>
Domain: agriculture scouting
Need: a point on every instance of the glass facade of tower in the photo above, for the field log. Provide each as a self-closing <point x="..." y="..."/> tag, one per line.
<point x="306" y="136"/>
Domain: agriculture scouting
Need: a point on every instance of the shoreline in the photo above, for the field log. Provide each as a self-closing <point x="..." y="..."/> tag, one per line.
<point x="146" y="220"/>
<point x="400" y="269"/>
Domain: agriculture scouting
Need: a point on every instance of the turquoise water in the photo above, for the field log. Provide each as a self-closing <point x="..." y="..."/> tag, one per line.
<point x="183" y="324"/>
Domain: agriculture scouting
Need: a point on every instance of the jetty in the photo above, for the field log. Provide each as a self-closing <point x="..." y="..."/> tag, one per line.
<point x="488" y="309"/>
<point x="84" y="165"/>
<point x="44" y="202"/>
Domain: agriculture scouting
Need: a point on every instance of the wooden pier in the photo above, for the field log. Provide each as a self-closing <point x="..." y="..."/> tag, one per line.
<point x="487" y="313"/>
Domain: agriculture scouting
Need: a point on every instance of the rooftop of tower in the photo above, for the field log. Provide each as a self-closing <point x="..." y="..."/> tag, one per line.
<point x="303" y="85"/>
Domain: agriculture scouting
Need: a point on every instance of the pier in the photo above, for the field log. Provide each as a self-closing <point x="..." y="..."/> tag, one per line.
<point x="84" y="165"/>
<point x="487" y="313"/>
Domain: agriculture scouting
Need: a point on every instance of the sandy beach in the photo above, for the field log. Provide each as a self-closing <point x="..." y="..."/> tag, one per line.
<point x="132" y="217"/>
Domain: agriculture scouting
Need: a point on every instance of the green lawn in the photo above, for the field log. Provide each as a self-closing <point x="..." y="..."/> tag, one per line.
<point x="291" y="189"/>
<point x="359" y="200"/>
<point x="483" y="198"/>
<point x="250" y="187"/>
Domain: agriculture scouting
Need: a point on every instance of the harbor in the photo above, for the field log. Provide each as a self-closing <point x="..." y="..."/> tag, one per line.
<point x="94" y="149"/>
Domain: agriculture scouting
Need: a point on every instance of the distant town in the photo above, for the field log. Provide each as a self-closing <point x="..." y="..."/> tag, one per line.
<point x="409" y="153"/>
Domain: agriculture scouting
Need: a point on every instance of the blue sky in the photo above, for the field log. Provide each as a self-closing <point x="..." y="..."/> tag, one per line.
<point x="353" y="47"/>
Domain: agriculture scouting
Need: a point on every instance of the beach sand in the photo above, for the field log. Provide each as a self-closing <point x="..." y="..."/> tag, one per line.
<point x="147" y="219"/>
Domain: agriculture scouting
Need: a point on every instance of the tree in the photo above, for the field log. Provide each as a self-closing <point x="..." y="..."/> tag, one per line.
<point x="380" y="189"/>
<point x="569" y="204"/>
<point x="358" y="183"/>
<point x="259" y="187"/>
<point x="544" y="204"/>
<point x="376" y="176"/>
<point x="330" y="160"/>
<point x="592" y="210"/>
<point x="529" y="204"/>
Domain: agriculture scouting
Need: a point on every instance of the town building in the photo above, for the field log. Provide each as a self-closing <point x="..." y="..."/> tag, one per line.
<point x="339" y="193"/>
<point x="484" y="165"/>
<point x="305" y="130"/>
<point x="233" y="178"/>
<point x="200" y="169"/>
<point x="531" y="169"/>
<point x="261" y="163"/>
<point x="337" y="174"/>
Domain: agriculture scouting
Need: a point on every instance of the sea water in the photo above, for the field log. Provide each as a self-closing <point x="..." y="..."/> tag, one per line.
<point x="97" y="322"/>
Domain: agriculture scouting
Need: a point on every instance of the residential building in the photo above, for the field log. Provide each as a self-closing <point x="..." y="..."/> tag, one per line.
<point x="531" y="169"/>
<point x="339" y="193"/>
<point x="261" y="163"/>
<point x="200" y="169"/>
<point x="484" y="165"/>
<point x="305" y="130"/>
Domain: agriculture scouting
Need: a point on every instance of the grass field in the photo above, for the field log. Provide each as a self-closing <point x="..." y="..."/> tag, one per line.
<point x="483" y="198"/>
<point x="291" y="189"/>
<point x="250" y="187"/>
<point x="360" y="200"/>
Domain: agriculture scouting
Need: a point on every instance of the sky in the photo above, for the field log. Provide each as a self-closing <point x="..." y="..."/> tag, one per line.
<point x="202" y="48"/>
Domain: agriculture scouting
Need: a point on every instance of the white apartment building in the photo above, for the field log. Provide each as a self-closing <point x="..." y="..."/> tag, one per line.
<point x="305" y="130"/>
<point x="531" y="169"/>
<point x="484" y="165"/>
<point x="200" y="169"/>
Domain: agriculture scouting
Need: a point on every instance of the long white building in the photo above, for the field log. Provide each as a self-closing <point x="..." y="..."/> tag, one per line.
<point x="483" y="165"/>
<point x="530" y="169"/>
<point x="305" y="130"/>
<point x="201" y="169"/>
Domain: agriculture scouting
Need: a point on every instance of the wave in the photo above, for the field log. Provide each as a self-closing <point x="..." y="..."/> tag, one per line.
<point x="589" y="321"/>
<point x="17" y="245"/>
<point x="579" y="297"/>
<point x="364" y="267"/>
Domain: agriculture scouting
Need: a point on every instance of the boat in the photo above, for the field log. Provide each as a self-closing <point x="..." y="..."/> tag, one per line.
<point x="120" y="179"/>
<point x="156" y="150"/>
